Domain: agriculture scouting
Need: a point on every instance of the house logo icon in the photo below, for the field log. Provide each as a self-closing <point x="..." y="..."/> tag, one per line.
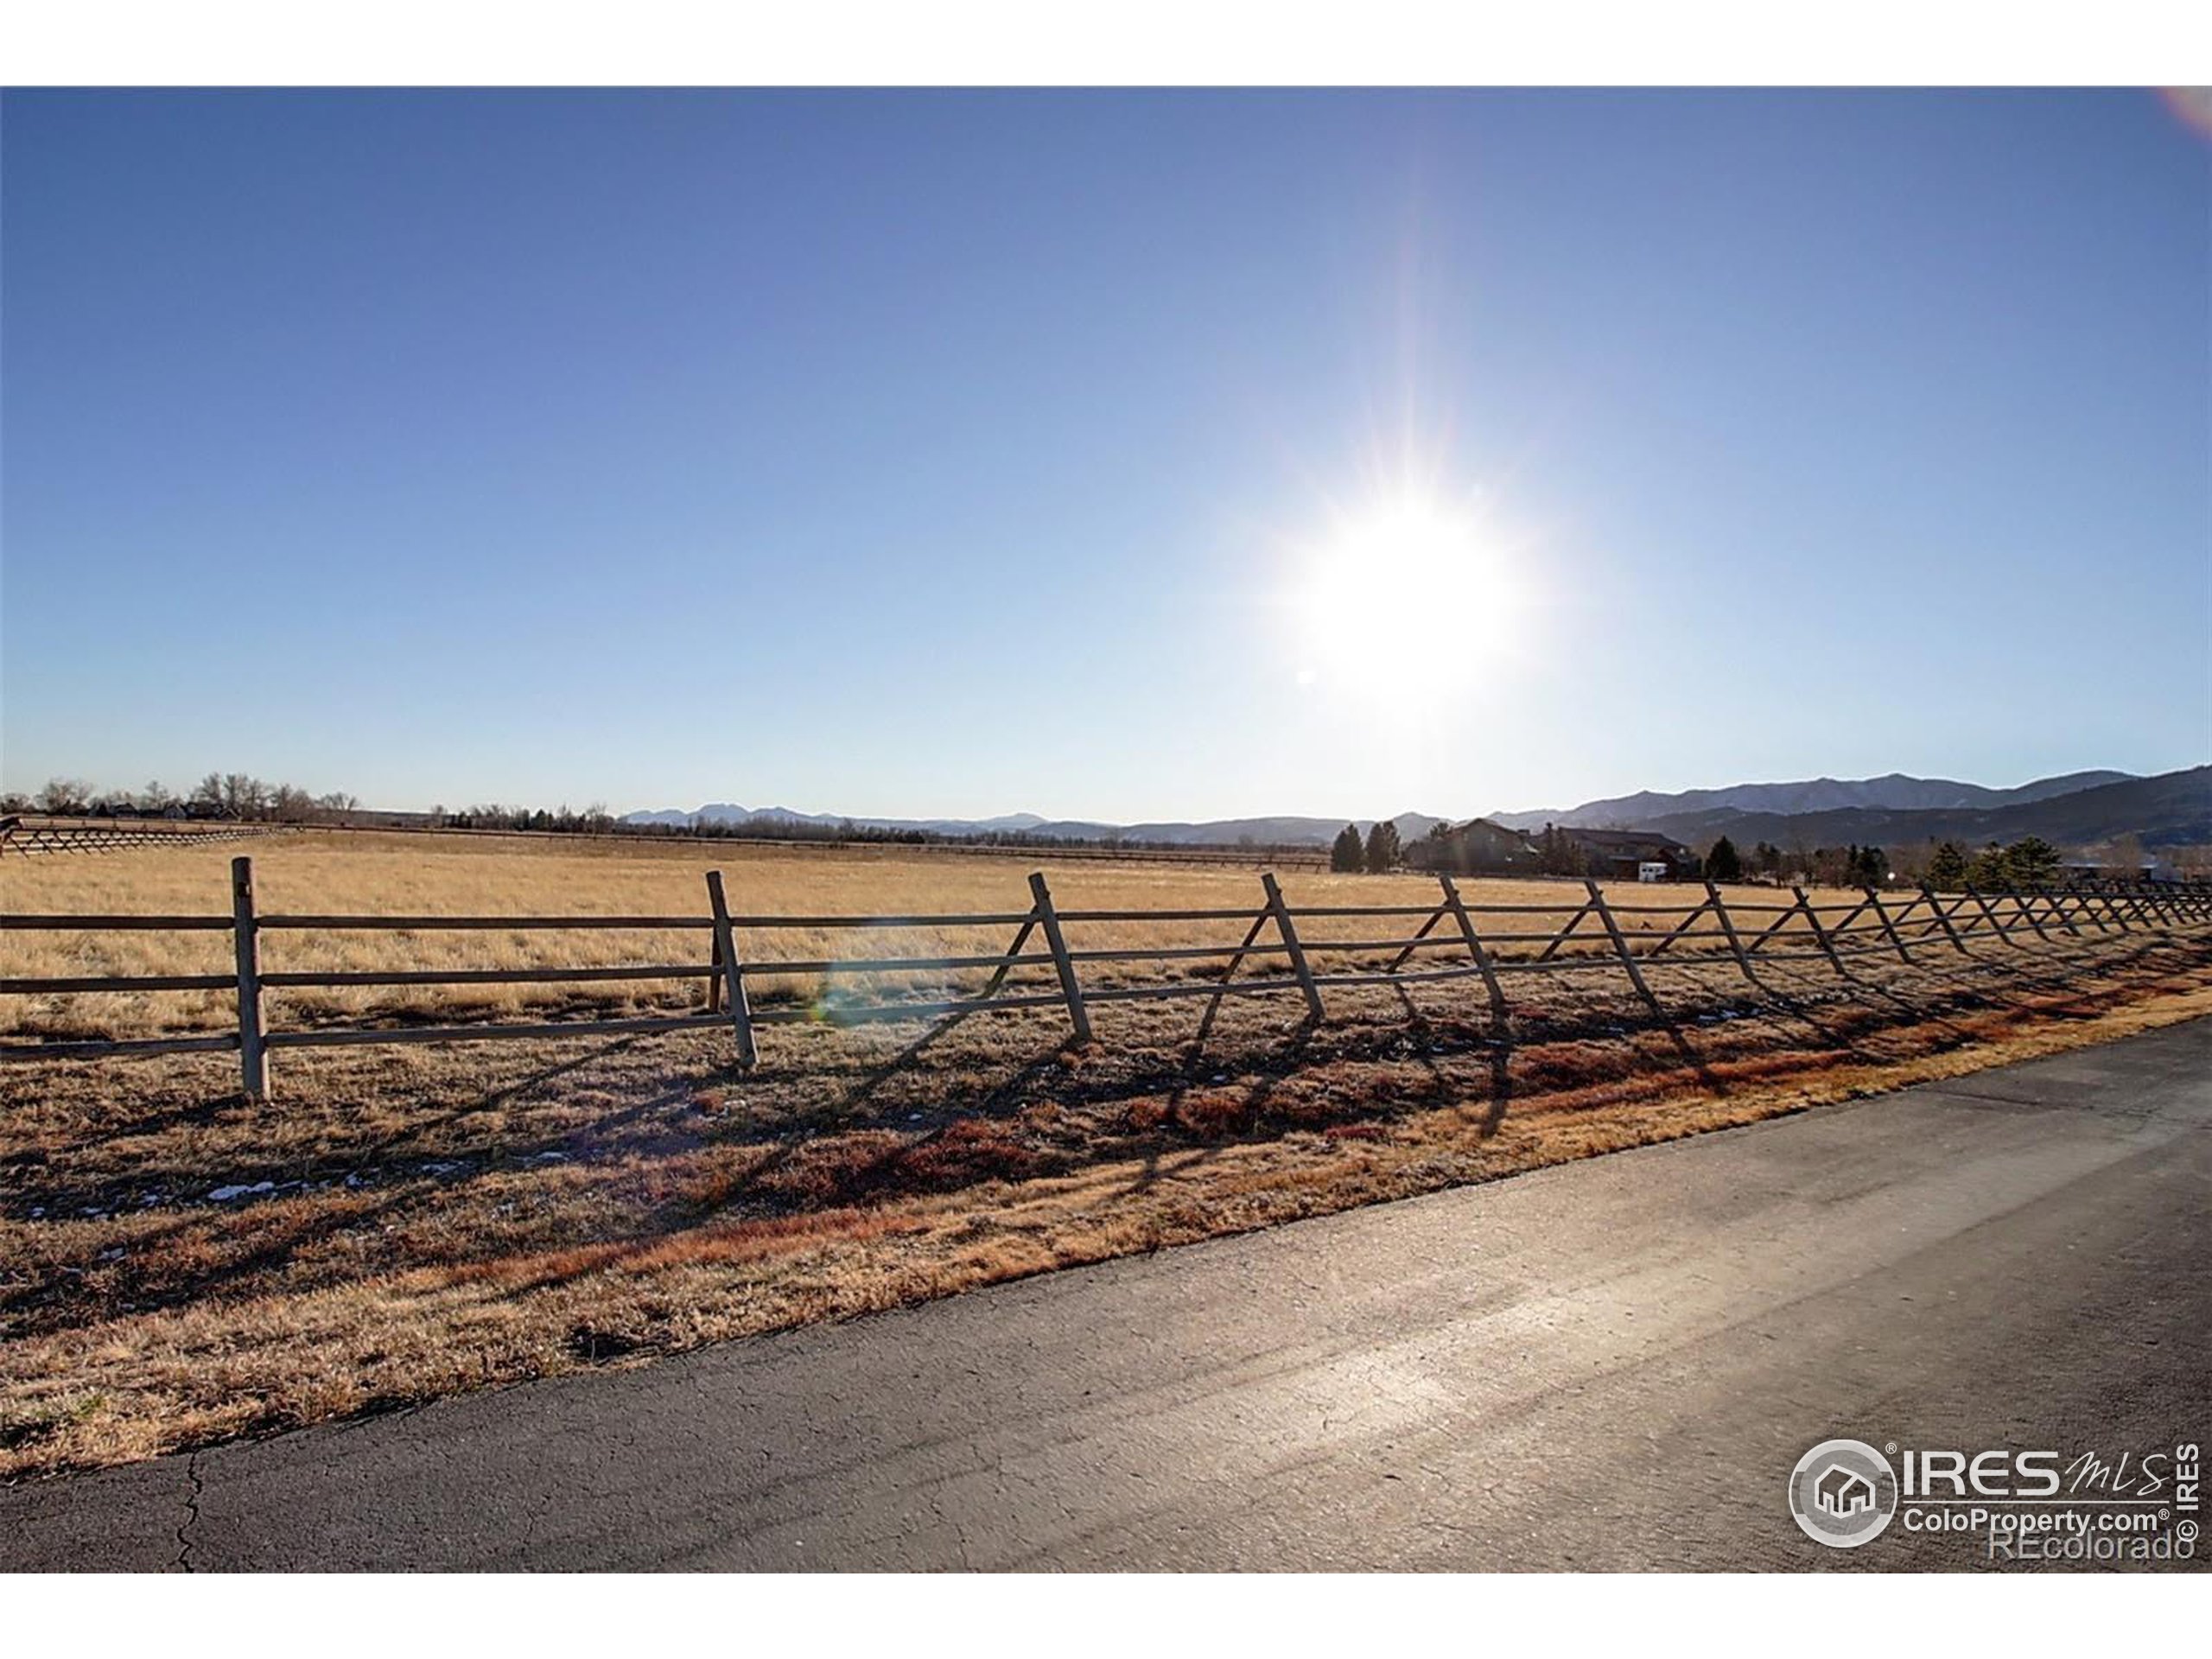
<point x="1843" y="1494"/>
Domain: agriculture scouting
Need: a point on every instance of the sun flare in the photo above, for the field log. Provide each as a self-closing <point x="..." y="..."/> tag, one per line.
<point x="1413" y="593"/>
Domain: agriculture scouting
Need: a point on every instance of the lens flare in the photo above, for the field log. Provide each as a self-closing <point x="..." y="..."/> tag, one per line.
<point x="2193" y="104"/>
<point x="1411" y="592"/>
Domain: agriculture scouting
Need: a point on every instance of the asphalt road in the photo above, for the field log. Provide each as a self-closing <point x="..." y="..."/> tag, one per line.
<point x="1612" y="1364"/>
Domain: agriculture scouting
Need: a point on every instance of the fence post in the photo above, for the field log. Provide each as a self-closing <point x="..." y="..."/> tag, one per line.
<point x="1820" y="933"/>
<point x="1682" y="928"/>
<point x="1728" y="927"/>
<point x="1049" y="919"/>
<point x="740" y="1008"/>
<point x="2058" y="912"/>
<point x="1426" y="927"/>
<point x="1213" y="1002"/>
<point x="2158" y="905"/>
<point x="1020" y="937"/>
<point x="1451" y="902"/>
<point x="2003" y="932"/>
<point x="1620" y="944"/>
<point x="1889" y="927"/>
<point x="1559" y="937"/>
<point x="253" y="1053"/>
<point x="1280" y="911"/>
<point x="1944" y="917"/>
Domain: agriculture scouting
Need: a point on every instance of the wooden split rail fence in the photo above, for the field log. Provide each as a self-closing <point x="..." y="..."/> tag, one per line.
<point x="18" y="837"/>
<point x="1741" y="935"/>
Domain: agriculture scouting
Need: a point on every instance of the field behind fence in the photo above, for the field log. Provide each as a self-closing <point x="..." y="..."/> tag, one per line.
<point x="1031" y="956"/>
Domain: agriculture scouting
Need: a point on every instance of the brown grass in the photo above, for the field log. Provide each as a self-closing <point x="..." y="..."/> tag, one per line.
<point x="421" y="1221"/>
<point x="329" y="873"/>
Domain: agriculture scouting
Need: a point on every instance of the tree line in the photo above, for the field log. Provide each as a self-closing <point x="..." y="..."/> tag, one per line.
<point x="219" y="794"/>
<point x="1852" y="866"/>
<point x="2029" y="862"/>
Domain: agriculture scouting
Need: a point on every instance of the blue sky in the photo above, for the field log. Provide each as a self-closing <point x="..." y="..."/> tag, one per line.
<point x="933" y="453"/>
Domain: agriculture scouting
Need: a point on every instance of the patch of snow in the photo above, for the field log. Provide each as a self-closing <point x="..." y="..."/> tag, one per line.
<point x="225" y="1194"/>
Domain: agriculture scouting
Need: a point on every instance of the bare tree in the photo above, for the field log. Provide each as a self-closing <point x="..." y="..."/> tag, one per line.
<point x="2125" y="854"/>
<point x="290" y="804"/>
<point x="245" y="795"/>
<point x="65" y="795"/>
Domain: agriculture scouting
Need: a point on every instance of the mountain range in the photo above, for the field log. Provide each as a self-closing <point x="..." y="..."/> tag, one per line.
<point x="2078" y="809"/>
<point x="1894" y="793"/>
<point x="1281" y="831"/>
<point x="2171" y="810"/>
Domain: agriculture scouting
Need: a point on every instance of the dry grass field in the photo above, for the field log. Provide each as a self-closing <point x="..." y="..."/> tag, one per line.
<point x="328" y="872"/>
<point x="179" y="1265"/>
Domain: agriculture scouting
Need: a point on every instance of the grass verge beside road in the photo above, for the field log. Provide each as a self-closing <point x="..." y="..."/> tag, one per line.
<point x="178" y="1267"/>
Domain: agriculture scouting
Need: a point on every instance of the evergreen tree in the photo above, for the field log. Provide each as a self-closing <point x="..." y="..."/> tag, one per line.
<point x="2034" y="861"/>
<point x="1557" y="854"/>
<point x="2030" y="863"/>
<point x="1947" y="870"/>
<point x="1381" y="847"/>
<point x="1346" y="857"/>
<point x="1991" y="871"/>
<point x="1724" y="863"/>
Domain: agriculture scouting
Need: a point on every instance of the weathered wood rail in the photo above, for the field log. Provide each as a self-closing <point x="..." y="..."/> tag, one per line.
<point x="1742" y="936"/>
<point x="27" y="837"/>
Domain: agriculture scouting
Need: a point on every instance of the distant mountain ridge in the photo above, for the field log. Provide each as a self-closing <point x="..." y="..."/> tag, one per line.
<point x="2173" y="810"/>
<point x="2077" y="810"/>
<point x="1895" y="792"/>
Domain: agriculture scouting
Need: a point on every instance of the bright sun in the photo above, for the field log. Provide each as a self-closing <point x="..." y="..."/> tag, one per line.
<point x="1410" y="594"/>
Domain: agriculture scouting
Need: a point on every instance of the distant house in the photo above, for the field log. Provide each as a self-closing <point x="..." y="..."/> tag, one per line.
<point x="2089" y="872"/>
<point x="1622" y="854"/>
<point x="1475" y="847"/>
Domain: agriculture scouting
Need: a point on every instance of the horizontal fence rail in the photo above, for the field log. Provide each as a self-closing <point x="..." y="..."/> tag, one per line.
<point x="1454" y="941"/>
<point x="20" y="834"/>
<point x="21" y="838"/>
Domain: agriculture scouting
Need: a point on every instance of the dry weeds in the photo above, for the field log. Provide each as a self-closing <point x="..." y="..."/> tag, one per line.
<point x="179" y="1266"/>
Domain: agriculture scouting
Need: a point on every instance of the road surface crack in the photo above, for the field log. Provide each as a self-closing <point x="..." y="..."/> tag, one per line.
<point x="191" y="1515"/>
